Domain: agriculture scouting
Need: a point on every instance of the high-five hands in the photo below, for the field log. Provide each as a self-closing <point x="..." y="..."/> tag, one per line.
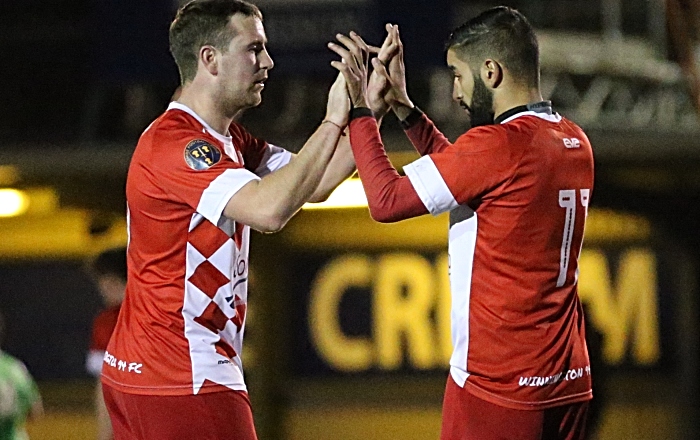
<point x="386" y="86"/>
<point x="354" y="66"/>
<point x="389" y="71"/>
<point x="379" y="86"/>
<point x="338" y="107"/>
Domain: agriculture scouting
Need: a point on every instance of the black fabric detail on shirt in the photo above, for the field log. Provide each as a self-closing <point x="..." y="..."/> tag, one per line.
<point x="359" y="112"/>
<point x="412" y="118"/>
<point x="539" y="107"/>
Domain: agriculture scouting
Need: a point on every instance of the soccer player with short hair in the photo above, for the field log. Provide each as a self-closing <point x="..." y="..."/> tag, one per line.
<point x="517" y="187"/>
<point x="197" y="183"/>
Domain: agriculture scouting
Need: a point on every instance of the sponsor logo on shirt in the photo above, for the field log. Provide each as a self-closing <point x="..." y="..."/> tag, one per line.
<point x="538" y="381"/>
<point x="200" y="154"/>
<point x="129" y="367"/>
<point x="572" y="143"/>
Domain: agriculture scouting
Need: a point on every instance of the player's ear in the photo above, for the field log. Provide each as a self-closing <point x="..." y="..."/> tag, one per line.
<point x="209" y="60"/>
<point x="492" y="73"/>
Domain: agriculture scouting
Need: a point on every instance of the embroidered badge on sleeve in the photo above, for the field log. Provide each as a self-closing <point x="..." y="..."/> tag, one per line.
<point x="200" y="154"/>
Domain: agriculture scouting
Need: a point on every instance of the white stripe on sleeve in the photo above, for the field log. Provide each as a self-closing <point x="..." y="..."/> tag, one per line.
<point x="274" y="158"/>
<point x="220" y="190"/>
<point x="430" y="186"/>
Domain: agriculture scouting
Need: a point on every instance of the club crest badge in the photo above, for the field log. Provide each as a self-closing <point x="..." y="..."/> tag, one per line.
<point x="200" y="154"/>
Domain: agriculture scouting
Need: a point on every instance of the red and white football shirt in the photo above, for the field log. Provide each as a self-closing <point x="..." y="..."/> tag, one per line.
<point x="181" y="327"/>
<point x="102" y="329"/>
<point x="517" y="193"/>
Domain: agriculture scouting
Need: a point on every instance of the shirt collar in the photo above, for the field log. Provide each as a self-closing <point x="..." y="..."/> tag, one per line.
<point x="180" y="106"/>
<point x="541" y="109"/>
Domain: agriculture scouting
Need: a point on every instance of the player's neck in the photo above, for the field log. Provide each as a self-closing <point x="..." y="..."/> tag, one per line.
<point x="206" y="108"/>
<point x="515" y="98"/>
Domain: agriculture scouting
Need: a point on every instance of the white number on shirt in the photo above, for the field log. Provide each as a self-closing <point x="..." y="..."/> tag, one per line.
<point x="567" y="200"/>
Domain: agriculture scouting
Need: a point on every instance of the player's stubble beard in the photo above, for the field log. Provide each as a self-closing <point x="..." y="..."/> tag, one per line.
<point x="238" y="100"/>
<point x="481" y="111"/>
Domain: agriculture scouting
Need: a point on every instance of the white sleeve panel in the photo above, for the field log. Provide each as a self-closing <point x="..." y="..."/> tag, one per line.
<point x="430" y="186"/>
<point x="220" y="190"/>
<point x="275" y="158"/>
<point x="93" y="362"/>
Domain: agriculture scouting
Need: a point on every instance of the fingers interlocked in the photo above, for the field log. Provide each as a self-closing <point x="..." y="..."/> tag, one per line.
<point x="354" y="65"/>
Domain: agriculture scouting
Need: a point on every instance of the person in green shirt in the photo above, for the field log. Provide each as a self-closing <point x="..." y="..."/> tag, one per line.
<point x="19" y="395"/>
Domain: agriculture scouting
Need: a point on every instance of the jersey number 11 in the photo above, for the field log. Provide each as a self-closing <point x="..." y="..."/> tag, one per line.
<point x="567" y="200"/>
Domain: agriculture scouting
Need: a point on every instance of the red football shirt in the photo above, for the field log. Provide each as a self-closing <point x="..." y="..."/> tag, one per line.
<point x="181" y="327"/>
<point x="517" y="193"/>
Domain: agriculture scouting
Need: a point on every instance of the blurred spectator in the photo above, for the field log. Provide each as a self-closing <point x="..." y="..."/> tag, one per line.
<point x="19" y="395"/>
<point x="109" y="272"/>
<point x="133" y="72"/>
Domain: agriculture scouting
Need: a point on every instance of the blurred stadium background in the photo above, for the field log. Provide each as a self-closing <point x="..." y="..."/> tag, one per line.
<point x="348" y="336"/>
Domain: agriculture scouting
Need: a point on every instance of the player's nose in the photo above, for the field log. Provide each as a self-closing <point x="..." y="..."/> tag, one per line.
<point x="457" y="93"/>
<point x="266" y="61"/>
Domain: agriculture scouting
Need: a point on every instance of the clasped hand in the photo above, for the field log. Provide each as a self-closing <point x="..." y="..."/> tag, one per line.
<point x="385" y="87"/>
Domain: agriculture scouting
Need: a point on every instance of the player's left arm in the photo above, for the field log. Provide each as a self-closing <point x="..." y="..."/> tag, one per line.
<point x="423" y="134"/>
<point x="341" y="166"/>
<point x="390" y="197"/>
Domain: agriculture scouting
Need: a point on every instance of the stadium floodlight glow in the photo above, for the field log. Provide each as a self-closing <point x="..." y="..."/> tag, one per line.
<point x="13" y="202"/>
<point x="348" y="194"/>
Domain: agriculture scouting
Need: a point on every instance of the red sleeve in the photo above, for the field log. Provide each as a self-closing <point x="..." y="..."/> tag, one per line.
<point x="390" y="197"/>
<point x="425" y="136"/>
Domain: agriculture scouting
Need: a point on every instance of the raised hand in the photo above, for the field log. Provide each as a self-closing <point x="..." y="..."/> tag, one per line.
<point x="338" y="107"/>
<point x="390" y="65"/>
<point x="354" y="66"/>
<point x="378" y="86"/>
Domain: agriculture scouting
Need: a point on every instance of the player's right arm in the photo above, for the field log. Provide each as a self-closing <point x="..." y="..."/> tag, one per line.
<point x="267" y="204"/>
<point x="476" y="165"/>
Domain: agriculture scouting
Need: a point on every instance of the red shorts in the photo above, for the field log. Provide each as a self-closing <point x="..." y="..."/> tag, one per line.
<point x="225" y="415"/>
<point x="465" y="417"/>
